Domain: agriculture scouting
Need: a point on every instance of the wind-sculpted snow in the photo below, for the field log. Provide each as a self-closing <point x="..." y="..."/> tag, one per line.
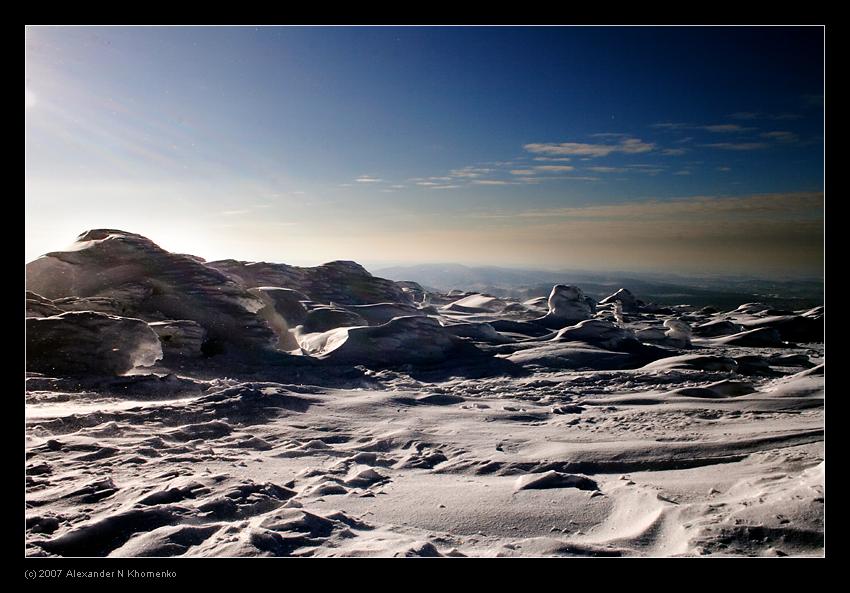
<point x="176" y="407"/>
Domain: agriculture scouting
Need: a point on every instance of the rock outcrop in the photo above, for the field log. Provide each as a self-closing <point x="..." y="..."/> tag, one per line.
<point x="86" y="342"/>
<point x="678" y="333"/>
<point x="403" y="340"/>
<point x="598" y="333"/>
<point x="627" y="300"/>
<point x="341" y="282"/>
<point x="567" y="305"/>
<point x="152" y="284"/>
<point x="180" y="337"/>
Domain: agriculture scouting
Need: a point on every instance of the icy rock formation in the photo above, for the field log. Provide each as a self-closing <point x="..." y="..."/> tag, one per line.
<point x="567" y="305"/>
<point x="477" y="303"/>
<point x="678" y="333"/>
<point x="764" y="337"/>
<point x="402" y="340"/>
<point x="86" y="342"/>
<point x="651" y="334"/>
<point x="720" y="327"/>
<point x="108" y="305"/>
<point x="792" y="328"/>
<point x="414" y="290"/>
<point x="323" y="319"/>
<point x="151" y="284"/>
<point x="342" y="282"/>
<point x="481" y="332"/>
<point x="286" y="302"/>
<point x="596" y="332"/>
<point x="627" y="300"/>
<point x="38" y="306"/>
<point x="380" y="313"/>
<point x="752" y="308"/>
<point x="695" y="362"/>
<point x="180" y="337"/>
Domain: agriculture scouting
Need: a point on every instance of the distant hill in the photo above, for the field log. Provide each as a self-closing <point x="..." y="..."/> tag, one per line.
<point x="665" y="289"/>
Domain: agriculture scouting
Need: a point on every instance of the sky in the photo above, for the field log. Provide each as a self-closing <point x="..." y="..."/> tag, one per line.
<point x="671" y="149"/>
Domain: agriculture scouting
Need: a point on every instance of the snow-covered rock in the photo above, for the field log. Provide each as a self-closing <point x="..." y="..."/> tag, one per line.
<point x="341" y="282"/>
<point x="596" y="332"/>
<point x="403" y="340"/>
<point x="85" y="342"/>
<point x="180" y="337"/>
<point x="678" y="333"/>
<point x="627" y="300"/>
<point x="567" y="305"/>
<point x="151" y="284"/>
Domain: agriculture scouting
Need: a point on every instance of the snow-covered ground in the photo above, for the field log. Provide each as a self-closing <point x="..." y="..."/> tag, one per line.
<point x="351" y="415"/>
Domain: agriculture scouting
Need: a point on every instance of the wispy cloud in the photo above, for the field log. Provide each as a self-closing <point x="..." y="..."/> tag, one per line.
<point x="554" y="168"/>
<point x="714" y="128"/>
<point x="647" y="169"/>
<point x="607" y="169"/>
<point x="781" y="136"/>
<point x="368" y="179"/>
<point x="674" y="151"/>
<point x="726" y="128"/>
<point x="469" y="172"/>
<point x="797" y="204"/>
<point x="737" y="145"/>
<point x="754" y="115"/>
<point x="625" y="146"/>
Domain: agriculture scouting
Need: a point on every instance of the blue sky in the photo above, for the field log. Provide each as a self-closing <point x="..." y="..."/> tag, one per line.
<point x="620" y="147"/>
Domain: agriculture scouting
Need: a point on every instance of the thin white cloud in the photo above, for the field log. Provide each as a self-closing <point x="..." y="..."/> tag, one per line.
<point x="714" y="128"/>
<point x="781" y="136"/>
<point x="469" y="172"/>
<point x="607" y="169"/>
<point x="368" y="179"/>
<point x="758" y="206"/>
<point x="625" y="146"/>
<point x="752" y="115"/>
<point x="726" y="128"/>
<point x="737" y="145"/>
<point x="554" y="168"/>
